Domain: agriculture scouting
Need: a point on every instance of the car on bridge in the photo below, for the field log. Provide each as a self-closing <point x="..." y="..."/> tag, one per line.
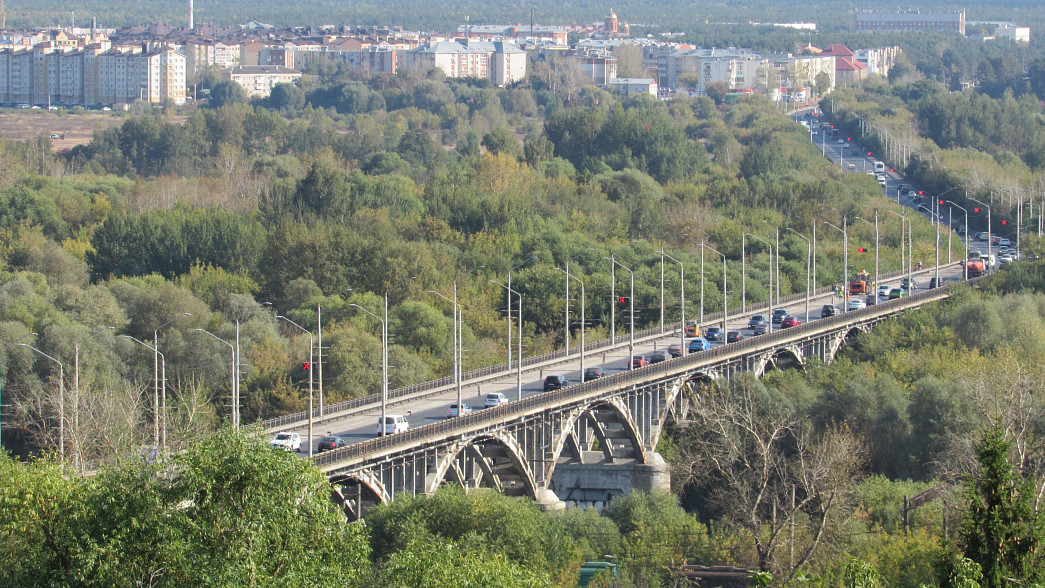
<point x="658" y="356"/>
<point x="638" y="361"/>
<point x="593" y="373"/>
<point x="908" y="284"/>
<point x="734" y="336"/>
<point x="883" y="290"/>
<point x="555" y="382"/>
<point x="758" y="319"/>
<point x="698" y="344"/>
<point x="495" y="399"/>
<point x="856" y="304"/>
<point x="829" y="310"/>
<point x="328" y="443"/>
<point x="713" y="334"/>
<point x="453" y="411"/>
<point x="897" y="293"/>
<point x="394" y="423"/>
<point x="779" y="315"/>
<point x="760" y="330"/>
<point x="675" y="350"/>
<point x="287" y="441"/>
<point x="790" y="321"/>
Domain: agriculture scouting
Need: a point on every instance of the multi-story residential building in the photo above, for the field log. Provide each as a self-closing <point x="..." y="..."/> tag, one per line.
<point x="258" y="80"/>
<point x="797" y="72"/>
<point x="203" y="54"/>
<point x="879" y="60"/>
<point x="92" y="76"/>
<point x="600" y="66"/>
<point x="737" y="68"/>
<point x="848" y="69"/>
<point x="1013" y="33"/>
<point x="928" y="22"/>
<point x="500" y="62"/>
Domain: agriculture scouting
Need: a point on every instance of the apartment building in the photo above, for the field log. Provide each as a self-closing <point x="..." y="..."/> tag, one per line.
<point x="258" y="80"/>
<point x="500" y="62"/>
<point x="93" y="76"/>
<point x="203" y="54"/>
<point x="924" y="22"/>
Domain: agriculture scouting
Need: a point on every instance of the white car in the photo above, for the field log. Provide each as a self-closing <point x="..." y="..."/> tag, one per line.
<point x="857" y="304"/>
<point x="287" y="442"/>
<point x="394" y="423"/>
<point x="495" y="399"/>
<point x="1005" y="259"/>
<point x="883" y="290"/>
<point x="453" y="411"/>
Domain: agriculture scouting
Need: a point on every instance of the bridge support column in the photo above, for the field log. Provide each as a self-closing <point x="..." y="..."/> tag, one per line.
<point x="593" y="485"/>
<point x="547" y="500"/>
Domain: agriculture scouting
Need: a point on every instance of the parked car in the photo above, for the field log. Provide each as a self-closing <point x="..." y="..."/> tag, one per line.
<point x="675" y="350"/>
<point x="896" y="293"/>
<point x="495" y="399"/>
<point x="287" y="441"/>
<point x="856" y="304"/>
<point x="638" y="361"/>
<point x="658" y="356"/>
<point x="790" y="321"/>
<point x="829" y="310"/>
<point x="758" y="319"/>
<point x="733" y="336"/>
<point x="394" y="423"/>
<point x="760" y="330"/>
<point x="779" y="315"/>
<point x="593" y="373"/>
<point x="713" y="334"/>
<point x="328" y="443"/>
<point x="555" y="382"/>
<point x="453" y="411"/>
<point x="698" y="344"/>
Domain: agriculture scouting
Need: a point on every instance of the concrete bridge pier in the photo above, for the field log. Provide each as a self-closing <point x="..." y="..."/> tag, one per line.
<point x="593" y="485"/>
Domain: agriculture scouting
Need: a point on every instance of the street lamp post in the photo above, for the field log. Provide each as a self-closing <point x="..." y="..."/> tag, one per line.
<point x="936" y="245"/>
<point x="631" y="311"/>
<point x="875" y="225"/>
<point x="61" y="400"/>
<point x="845" y="260"/>
<point x="508" y="308"/>
<point x="234" y="397"/>
<point x="156" y="379"/>
<point x="990" y="229"/>
<point x="809" y="256"/>
<point x="319" y="347"/>
<point x="965" y="240"/>
<point x="310" y="370"/>
<point x="770" y="245"/>
<point x="702" y="282"/>
<point x="568" y="276"/>
<point x="458" y="349"/>
<point x="76" y="392"/>
<point x="725" y="294"/>
<point x="567" y="334"/>
<point x="384" y="368"/>
<point x="518" y="361"/>
<point x="163" y="360"/>
<point x="682" y="296"/>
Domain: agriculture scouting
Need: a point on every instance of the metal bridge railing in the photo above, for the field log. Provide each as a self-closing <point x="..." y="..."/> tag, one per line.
<point x="503" y="370"/>
<point x="492" y="416"/>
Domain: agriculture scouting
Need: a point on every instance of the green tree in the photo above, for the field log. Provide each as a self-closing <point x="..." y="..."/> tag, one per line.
<point x="227" y="92"/>
<point x="502" y="140"/>
<point x="286" y="96"/>
<point x="717" y="91"/>
<point x="1000" y="529"/>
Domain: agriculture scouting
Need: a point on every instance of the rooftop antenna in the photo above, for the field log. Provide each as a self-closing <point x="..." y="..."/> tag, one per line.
<point x="3" y="16"/>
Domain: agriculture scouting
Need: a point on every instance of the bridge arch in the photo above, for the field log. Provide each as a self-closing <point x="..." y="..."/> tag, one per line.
<point x="493" y="459"/>
<point x="605" y="421"/>
<point x="787" y="357"/>
<point x="357" y="493"/>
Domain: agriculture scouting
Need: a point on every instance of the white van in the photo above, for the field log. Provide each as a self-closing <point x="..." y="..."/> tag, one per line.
<point x="394" y="423"/>
<point x="879" y="167"/>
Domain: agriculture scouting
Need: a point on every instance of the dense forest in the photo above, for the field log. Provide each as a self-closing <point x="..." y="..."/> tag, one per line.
<point x="344" y="190"/>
